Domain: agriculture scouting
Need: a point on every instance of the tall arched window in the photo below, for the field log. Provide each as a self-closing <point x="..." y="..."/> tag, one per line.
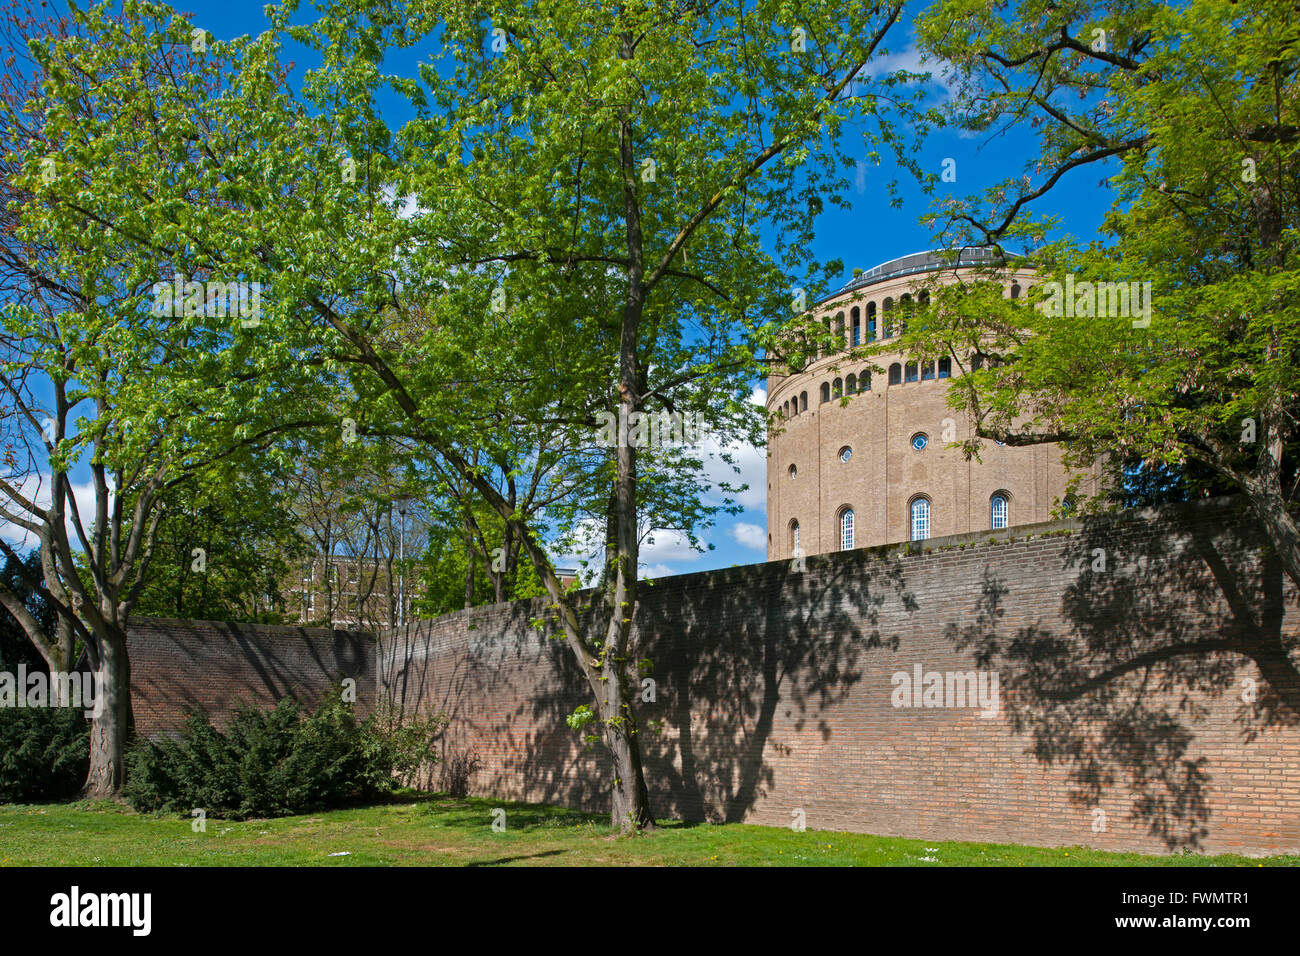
<point x="864" y="381"/>
<point x="837" y="391"/>
<point x="895" y="374"/>
<point x="945" y="368"/>
<point x="803" y="401"/>
<point x="794" y="536"/>
<point x="839" y="332"/>
<point x="851" y="384"/>
<point x="927" y="371"/>
<point x="904" y="312"/>
<point x="1015" y="290"/>
<point x="884" y="317"/>
<point x="871" y="321"/>
<point x="857" y="326"/>
<point x="920" y="510"/>
<point x="1000" y="510"/>
<point x="846" y="529"/>
<point x="909" y="374"/>
<point x="826" y="391"/>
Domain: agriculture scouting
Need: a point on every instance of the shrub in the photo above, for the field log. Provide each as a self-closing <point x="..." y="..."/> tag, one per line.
<point x="278" y="762"/>
<point x="44" y="753"/>
<point x="457" y="768"/>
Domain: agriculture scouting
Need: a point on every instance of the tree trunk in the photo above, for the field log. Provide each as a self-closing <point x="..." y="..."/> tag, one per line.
<point x="109" y="730"/>
<point x="630" y="803"/>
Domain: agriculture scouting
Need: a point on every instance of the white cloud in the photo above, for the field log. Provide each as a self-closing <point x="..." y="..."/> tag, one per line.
<point x="752" y="463"/>
<point x="912" y="60"/>
<point x="750" y="535"/>
<point x="668" y="547"/>
<point x="37" y="488"/>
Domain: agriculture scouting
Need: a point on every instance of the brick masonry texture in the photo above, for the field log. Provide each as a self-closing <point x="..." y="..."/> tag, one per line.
<point x="178" y="666"/>
<point x="885" y="472"/>
<point x="1146" y="667"/>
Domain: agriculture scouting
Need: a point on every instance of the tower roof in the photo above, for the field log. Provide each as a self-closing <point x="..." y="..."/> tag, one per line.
<point x="917" y="262"/>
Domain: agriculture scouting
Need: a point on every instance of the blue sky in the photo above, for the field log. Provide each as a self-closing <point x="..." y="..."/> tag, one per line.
<point x="867" y="234"/>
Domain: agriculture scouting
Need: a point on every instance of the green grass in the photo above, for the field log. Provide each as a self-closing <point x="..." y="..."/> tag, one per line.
<point x="428" y="830"/>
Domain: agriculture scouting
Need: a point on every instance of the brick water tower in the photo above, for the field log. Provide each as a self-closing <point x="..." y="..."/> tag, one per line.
<point x="876" y="470"/>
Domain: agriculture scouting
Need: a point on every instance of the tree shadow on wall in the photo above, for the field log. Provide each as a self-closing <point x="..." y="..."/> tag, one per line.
<point x="755" y="646"/>
<point x="1157" y="623"/>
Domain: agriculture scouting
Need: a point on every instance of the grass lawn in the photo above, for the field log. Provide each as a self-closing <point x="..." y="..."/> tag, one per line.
<point x="417" y="829"/>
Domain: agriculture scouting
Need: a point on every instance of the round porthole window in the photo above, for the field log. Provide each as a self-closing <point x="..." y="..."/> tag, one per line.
<point x="846" y="453"/>
<point x="919" y="441"/>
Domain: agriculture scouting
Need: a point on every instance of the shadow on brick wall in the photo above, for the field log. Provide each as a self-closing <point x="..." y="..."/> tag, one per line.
<point x="1157" y="622"/>
<point x="723" y="661"/>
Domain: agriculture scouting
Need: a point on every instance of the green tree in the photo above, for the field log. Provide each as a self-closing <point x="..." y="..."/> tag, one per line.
<point x="568" y="231"/>
<point x="223" y="551"/>
<point x="1200" y="106"/>
<point x="94" y="137"/>
<point x="587" y="188"/>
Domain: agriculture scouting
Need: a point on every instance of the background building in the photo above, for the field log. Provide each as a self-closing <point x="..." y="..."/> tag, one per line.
<point x="876" y="470"/>
<point x="361" y="592"/>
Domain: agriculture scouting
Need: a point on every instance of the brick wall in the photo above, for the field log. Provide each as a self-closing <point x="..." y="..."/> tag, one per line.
<point x="1146" y="672"/>
<point x="177" y="666"/>
<point x="1147" y="700"/>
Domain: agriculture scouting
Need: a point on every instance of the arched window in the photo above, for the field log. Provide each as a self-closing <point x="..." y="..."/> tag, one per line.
<point x="846" y="529"/>
<point x="803" y="401"/>
<point x="1015" y="290"/>
<point x="871" y="321"/>
<point x="839" y="332"/>
<point x="976" y="362"/>
<point x="794" y="472"/>
<point x="837" y="390"/>
<point x="895" y="374"/>
<point x="826" y="392"/>
<point x="857" y="326"/>
<point x="904" y="312"/>
<point x="927" y="372"/>
<point x="884" y="318"/>
<point x="794" y="536"/>
<point x="909" y="373"/>
<point x="785" y="410"/>
<point x="864" y="381"/>
<point x="920" y="515"/>
<point x="923" y="298"/>
<point x="998" y="504"/>
<point x="945" y="368"/>
<point x="851" y="384"/>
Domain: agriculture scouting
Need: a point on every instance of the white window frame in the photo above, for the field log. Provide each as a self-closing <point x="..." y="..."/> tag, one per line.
<point x="919" y="518"/>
